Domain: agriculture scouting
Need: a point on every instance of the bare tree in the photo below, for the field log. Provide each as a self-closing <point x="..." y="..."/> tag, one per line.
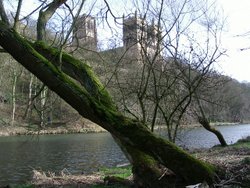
<point x="15" y="74"/>
<point x="167" y="63"/>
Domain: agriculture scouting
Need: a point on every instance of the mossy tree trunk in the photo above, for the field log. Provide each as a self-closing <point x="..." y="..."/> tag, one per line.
<point x="77" y="85"/>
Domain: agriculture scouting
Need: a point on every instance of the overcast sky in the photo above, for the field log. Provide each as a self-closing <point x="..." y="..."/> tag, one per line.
<point x="237" y="63"/>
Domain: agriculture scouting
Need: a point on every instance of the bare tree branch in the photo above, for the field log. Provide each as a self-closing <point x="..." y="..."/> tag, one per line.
<point x="44" y="15"/>
<point x="16" y="18"/>
<point x="3" y="14"/>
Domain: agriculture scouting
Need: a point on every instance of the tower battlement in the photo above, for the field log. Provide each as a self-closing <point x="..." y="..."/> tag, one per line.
<point x="138" y="35"/>
<point x="85" y="33"/>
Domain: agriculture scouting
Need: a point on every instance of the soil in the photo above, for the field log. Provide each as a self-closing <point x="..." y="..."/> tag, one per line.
<point x="233" y="163"/>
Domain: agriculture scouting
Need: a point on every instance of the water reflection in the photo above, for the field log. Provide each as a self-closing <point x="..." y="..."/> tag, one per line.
<point x="77" y="153"/>
<point x="201" y="138"/>
<point x="84" y="152"/>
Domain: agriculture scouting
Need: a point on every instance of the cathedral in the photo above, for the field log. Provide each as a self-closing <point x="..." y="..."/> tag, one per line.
<point x="138" y="34"/>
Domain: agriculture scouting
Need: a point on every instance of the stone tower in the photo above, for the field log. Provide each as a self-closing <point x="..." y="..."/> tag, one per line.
<point x="153" y="37"/>
<point x="138" y="35"/>
<point x="134" y="34"/>
<point x="84" y="33"/>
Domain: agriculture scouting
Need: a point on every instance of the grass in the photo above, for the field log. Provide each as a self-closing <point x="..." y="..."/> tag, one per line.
<point x="122" y="172"/>
<point x="244" y="142"/>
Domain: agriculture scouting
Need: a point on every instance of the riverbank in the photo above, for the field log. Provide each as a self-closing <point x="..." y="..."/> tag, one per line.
<point x="233" y="163"/>
<point x="197" y="125"/>
<point x="80" y="126"/>
<point x="117" y="177"/>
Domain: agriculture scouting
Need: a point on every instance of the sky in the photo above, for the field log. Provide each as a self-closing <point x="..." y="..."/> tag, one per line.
<point x="236" y="63"/>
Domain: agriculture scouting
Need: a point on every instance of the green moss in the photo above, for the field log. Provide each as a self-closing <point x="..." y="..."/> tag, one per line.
<point x="168" y="154"/>
<point x="79" y="69"/>
<point x="35" y="53"/>
<point x="78" y="66"/>
<point x="54" y="70"/>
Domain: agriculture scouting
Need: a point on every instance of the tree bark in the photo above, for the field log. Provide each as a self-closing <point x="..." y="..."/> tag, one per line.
<point x="205" y="123"/>
<point x="144" y="149"/>
<point x="43" y="101"/>
<point x="30" y="99"/>
<point x="45" y="15"/>
<point x="13" y="101"/>
<point x="3" y="14"/>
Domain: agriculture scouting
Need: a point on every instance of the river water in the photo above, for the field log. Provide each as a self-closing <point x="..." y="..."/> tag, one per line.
<point x="83" y="153"/>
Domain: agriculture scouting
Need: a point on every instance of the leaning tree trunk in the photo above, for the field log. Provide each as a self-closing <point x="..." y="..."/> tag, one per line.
<point x="145" y="150"/>
<point x="203" y="120"/>
<point x="205" y="123"/>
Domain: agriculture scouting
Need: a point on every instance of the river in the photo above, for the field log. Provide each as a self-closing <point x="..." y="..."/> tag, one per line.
<point x="84" y="153"/>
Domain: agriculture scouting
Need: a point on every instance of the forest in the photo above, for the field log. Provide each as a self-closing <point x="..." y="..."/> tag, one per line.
<point x="26" y="100"/>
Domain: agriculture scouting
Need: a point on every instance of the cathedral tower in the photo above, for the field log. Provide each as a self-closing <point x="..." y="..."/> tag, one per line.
<point x="139" y="36"/>
<point x="84" y="33"/>
<point x="134" y="34"/>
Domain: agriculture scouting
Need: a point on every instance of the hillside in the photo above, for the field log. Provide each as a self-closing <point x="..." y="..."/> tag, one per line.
<point x="73" y="124"/>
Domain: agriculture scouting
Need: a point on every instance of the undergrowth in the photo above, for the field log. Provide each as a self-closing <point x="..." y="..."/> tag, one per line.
<point x="122" y="172"/>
